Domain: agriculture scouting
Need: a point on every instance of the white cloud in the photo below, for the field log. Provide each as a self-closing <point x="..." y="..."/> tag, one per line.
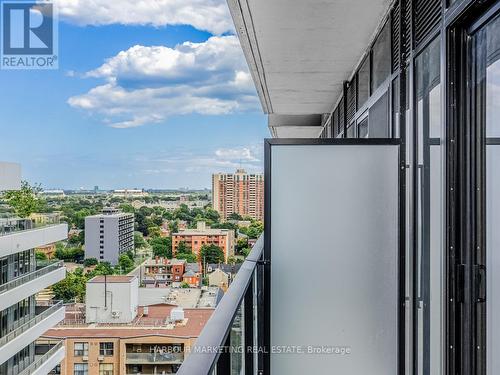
<point x="237" y="154"/>
<point x="209" y="15"/>
<point x="219" y="160"/>
<point x="147" y="84"/>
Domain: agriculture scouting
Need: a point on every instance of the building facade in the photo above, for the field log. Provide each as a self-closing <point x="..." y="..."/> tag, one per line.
<point x="156" y="342"/>
<point x="114" y="334"/>
<point x="108" y="235"/>
<point x="22" y="319"/>
<point x="203" y="235"/>
<point x="161" y="272"/>
<point x="239" y="193"/>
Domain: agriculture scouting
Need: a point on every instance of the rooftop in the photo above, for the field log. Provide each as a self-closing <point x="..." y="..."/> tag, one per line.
<point x="112" y="279"/>
<point x="156" y="323"/>
<point x="202" y="232"/>
<point x="183" y="297"/>
<point x="163" y="261"/>
<point x="202" y="229"/>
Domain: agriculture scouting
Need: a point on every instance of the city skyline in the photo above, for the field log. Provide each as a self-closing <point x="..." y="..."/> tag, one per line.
<point x="138" y="101"/>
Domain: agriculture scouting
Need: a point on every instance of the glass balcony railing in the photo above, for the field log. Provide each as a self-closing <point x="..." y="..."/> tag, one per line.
<point x="25" y="325"/>
<point x="42" y="269"/>
<point x="230" y="340"/>
<point x="9" y="225"/>
<point x="48" y="350"/>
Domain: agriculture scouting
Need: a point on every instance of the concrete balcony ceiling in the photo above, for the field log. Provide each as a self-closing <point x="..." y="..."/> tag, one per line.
<point x="300" y="53"/>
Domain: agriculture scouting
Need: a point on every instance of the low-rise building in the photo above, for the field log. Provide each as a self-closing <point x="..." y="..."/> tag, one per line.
<point x="121" y="330"/>
<point x="126" y="193"/>
<point x="219" y="278"/>
<point x="49" y="250"/>
<point x="192" y="278"/>
<point x="161" y="272"/>
<point x="112" y="299"/>
<point x="155" y="342"/>
<point x="203" y="235"/>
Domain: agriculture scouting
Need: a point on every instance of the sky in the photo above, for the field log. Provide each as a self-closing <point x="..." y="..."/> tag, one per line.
<point x="148" y="94"/>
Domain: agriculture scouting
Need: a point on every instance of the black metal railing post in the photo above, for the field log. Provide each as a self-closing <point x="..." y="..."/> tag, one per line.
<point x="224" y="361"/>
<point x="248" y="314"/>
<point x="260" y="318"/>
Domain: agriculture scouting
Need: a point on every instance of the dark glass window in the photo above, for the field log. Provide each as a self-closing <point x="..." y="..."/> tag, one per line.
<point x="351" y="131"/>
<point x="335" y="118"/>
<point x="379" y="118"/>
<point x="363" y="128"/>
<point x="381" y="57"/>
<point x="363" y="82"/>
<point x="81" y="349"/>
<point x="106" y="348"/>
<point x="395" y="108"/>
<point x="428" y="90"/>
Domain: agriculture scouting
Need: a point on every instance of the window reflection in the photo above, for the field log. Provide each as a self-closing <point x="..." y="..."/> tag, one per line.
<point x="429" y="220"/>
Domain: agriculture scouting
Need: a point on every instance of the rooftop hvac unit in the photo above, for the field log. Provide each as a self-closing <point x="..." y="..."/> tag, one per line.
<point x="177" y="314"/>
<point x="115" y="314"/>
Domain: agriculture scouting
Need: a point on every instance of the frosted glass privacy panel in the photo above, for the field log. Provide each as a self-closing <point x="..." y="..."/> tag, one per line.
<point x="334" y="259"/>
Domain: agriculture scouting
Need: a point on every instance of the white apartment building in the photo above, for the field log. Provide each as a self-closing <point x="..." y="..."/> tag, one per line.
<point x="22" y="322"/>
<point x="108" y="235"/>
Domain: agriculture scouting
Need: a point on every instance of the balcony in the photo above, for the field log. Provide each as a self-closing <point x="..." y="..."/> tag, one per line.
<point x="26" y="332"/>
<point x="18" y="234"/>
<point x="236" y="323"/>
<point x="154" y="358"/>
<point x="47" y="357"/>
<point x="31" y="283"/>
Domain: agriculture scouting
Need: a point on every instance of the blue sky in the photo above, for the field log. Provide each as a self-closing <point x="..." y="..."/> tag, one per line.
<point x="155" y="95"/>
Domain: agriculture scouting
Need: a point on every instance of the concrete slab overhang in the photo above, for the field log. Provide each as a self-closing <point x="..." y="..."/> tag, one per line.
<point x="301" y="52"/>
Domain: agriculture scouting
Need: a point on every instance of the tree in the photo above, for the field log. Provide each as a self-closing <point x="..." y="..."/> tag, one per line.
<point x="245" y="251"/>
<point x="125" y="263"/>
<point x="154" y="231"/>
<point x="226" y="225"/>
<point x="103" y="268"/>
<point x="235" y="216"/>
<point x="183" y="248"/>
<point x="212" y="254"/>
<point x="139" y="241"/>
<point x="25" y="201"/>
<point x="70" y="254"/>
<point x="231" y="260"/>
<point x="184" y="285"/>
<point x="78" y="239"/>
<point x="188" y="257"/>
<point x="241" y="243"/>
<point x="254" y="230"/>
<point x="162" y="246"/>
<point x="125" y="207"/>
<point x="72" y="288"/>
<point x="41" y="255"/>
<point x="90" y="262"/>
<point x="173" y="226"/>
